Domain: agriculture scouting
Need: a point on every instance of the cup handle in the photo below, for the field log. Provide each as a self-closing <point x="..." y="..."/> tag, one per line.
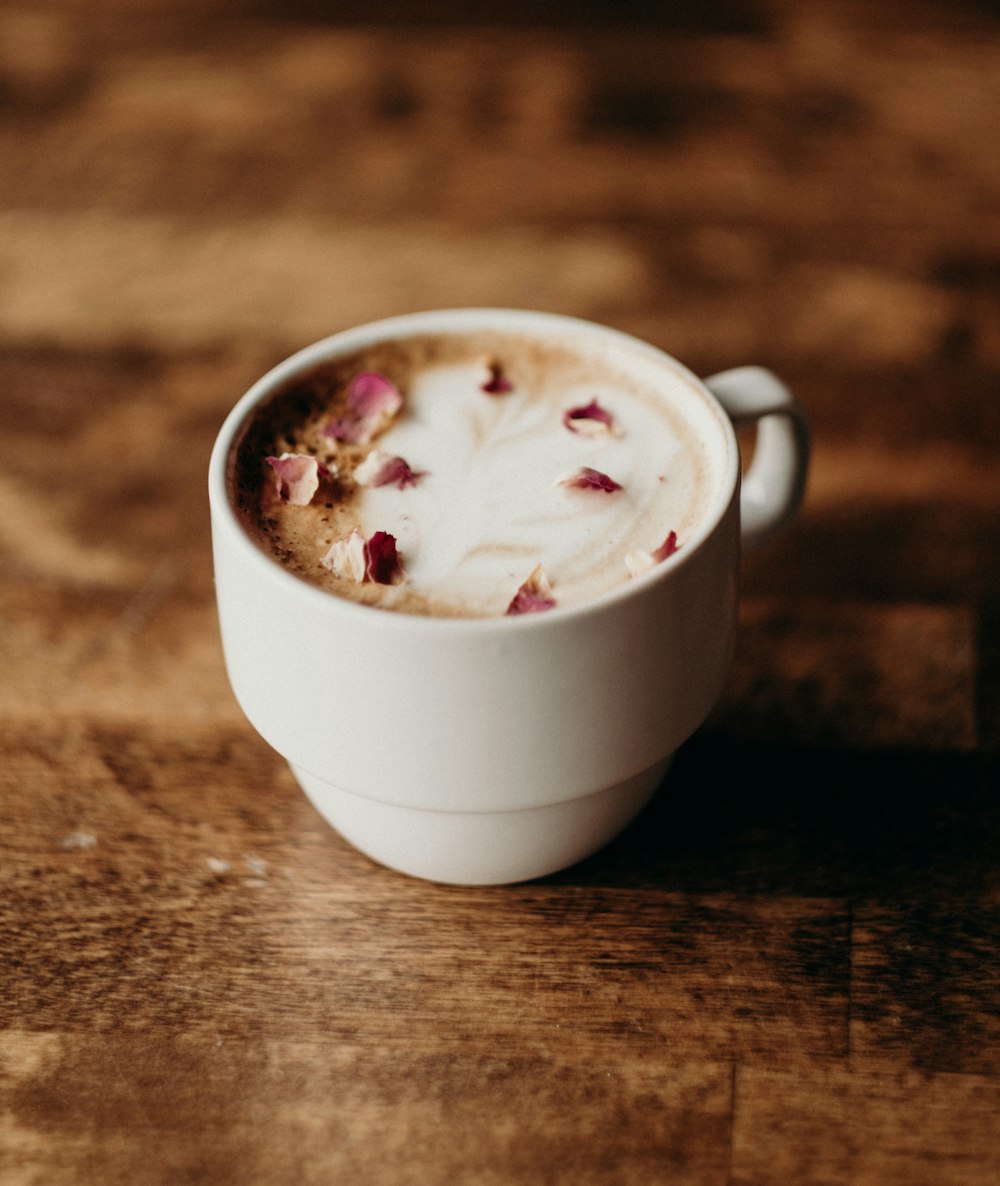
<point x="775" y="483"/>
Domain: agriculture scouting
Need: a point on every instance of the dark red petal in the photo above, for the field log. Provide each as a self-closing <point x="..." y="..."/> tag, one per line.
<point x="497" y="383"/>
<point x="586" y="478"/>
<point x="380" y="469"/>
<point x="398" y="472"/>
<point x="667" y="548"/>
<point x="639" y="562"/>
<point x="382" y="560"/>
<point x="590" y="417"/>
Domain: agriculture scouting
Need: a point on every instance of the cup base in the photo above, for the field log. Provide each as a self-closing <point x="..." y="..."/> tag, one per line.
<point x="482" y="848"/>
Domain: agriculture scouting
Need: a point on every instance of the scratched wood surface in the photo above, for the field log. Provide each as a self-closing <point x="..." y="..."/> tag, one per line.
<point x="788" y="971"/>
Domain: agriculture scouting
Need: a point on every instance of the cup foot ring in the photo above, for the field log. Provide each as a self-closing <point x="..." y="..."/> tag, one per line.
<point x="482" y="848"/>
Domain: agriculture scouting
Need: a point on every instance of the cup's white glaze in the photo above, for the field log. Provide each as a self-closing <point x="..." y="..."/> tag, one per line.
<point x="484" y="751"/>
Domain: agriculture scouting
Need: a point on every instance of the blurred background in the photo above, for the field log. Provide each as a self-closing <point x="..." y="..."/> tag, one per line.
<point x="188" y="193"/>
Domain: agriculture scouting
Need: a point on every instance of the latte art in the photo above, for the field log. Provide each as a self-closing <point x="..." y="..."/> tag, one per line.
<point x="503" y="456"/>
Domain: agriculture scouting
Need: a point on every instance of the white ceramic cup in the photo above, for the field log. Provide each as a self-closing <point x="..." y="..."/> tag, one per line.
<point x="485" y="751"/>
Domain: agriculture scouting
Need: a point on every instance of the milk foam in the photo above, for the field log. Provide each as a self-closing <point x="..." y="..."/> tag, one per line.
<point x="490" y="508"/>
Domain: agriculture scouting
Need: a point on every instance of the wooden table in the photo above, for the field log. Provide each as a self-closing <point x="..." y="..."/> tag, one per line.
<point x="787" y="971"/>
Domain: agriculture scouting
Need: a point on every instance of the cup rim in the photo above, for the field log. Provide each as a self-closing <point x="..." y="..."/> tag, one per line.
<point x="467" y="319"/>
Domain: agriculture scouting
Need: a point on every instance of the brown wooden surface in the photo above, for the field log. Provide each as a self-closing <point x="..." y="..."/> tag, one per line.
<point x="787" y="970"/>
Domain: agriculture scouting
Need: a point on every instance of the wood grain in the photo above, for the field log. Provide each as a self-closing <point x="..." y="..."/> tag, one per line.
<point x="786" y="970"/>
<point x="832" y="1126"/>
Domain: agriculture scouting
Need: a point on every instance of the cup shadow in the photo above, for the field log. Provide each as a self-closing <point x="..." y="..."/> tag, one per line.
<point x="765" y="818"/>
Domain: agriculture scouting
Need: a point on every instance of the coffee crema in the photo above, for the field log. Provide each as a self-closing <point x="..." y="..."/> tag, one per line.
<point x="492" y="425"/>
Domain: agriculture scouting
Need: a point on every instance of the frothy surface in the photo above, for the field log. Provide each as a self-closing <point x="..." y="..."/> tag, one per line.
<point x="489" y="508"/>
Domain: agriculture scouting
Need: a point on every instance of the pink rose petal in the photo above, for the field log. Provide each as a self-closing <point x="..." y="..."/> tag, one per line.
<point x="370" y="394"/>
<point x="534" y="596"/>
<point x="639" y="562"/>
<point x="372" y="401"/>
<point x="586" y="478"/>
<point x="497" y="382"/>
<point x="382" y="560"/>
<point x="359" y="560"/>
<point x="297" y="477"/>
<point x="346" y="558"/>
<point x="589" y="420"/>
<point x="382" y="469"/>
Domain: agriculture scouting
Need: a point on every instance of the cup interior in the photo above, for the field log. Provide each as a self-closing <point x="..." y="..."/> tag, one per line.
<point x="709" y="431"/>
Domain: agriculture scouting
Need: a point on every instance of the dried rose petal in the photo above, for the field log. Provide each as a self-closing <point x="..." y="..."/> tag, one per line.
<point x="497" y="382"/>
<point x="382" y="561"/>
<point x="667" y="548"/>
<point x="346" y="558"/>
<point x="382" y="469"/>
<point x="534" y="596"/>
<point x="357" y="559"/>
<point x="297" y="477"/>
<point x="372" y="401"/>
<point x="371" y="393"/>
<point x="586" y="478"/>
<point x="590" y="420"/>
<point x="639" y="562"/>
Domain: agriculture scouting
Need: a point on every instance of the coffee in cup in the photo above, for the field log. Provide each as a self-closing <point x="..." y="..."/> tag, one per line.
<point x="485" y="457"/>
